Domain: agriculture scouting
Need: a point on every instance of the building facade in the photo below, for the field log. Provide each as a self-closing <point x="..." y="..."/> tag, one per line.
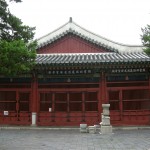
<point x="76" y="72"/>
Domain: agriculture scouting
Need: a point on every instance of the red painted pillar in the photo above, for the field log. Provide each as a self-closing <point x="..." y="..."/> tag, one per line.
<point x="53" y="107"/>
<point x="103" y="93"/>
<point x="17" y="104"/>
<point x="34" y="102"/>
<point x="103" y="89"/>
<point x="120" y="104"/>
<point x="100" y="98"/>
<point x="68" y="108"/>
<point x="53" y="102"/>
<point x="149" y="97"/>
<point x="83" y="106"/>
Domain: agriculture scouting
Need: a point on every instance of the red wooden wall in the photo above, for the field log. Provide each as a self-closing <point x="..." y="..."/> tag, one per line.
<point x="71" y="44"/>
<point x="74" y="103"/>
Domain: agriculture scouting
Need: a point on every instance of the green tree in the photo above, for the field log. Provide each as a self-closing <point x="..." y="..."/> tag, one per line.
<point x="17" y="48"/>
<point x="146" y="39"/>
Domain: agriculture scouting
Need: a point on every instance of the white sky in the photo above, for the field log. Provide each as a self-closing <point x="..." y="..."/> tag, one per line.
<point x="118" y="20"/>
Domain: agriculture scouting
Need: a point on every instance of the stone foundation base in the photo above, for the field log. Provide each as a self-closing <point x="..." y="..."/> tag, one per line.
<point x="92" y="129"/>
<point x="97" y="128"/>
<point x="83" y="128"/>
<point x="105" y="129"/>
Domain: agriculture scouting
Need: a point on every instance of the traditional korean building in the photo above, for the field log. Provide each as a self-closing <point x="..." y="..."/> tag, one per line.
<point x="76" y="72"/>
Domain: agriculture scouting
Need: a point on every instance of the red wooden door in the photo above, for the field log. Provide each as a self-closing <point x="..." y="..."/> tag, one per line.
<point x="64" y="108"/>
<point x="115" y="101"/>
<point x="14" y="107"/>
<point x="23" y="107"/>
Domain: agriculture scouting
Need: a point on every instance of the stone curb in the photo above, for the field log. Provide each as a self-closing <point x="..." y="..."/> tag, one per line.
<point x="131" y="127"/>
<point x="67" y="128"/>
<point x="36" y="128"/>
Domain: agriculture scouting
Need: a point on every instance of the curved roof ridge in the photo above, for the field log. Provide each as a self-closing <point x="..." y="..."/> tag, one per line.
<point x="119" y="46"/>
<point x="73" y="27"/>
<point x="129" y="45"/>
<point x="104" y="53"/>
<point x="52" y="31"/>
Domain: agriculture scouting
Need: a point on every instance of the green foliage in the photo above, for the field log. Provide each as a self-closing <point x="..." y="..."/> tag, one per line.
<point x="146" y="39"/>
<point x="16" y="57"/>
<point x="16" y="1"/>
<point x="17" y="50"/>
<point x="11" y="27"/>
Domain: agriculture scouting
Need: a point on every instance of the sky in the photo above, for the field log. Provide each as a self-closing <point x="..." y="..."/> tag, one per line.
<point x="117" y="20"/>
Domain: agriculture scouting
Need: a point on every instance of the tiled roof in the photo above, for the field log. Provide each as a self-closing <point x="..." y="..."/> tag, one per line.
<point x="73" y="28"/>
<point x="90" y="58"/>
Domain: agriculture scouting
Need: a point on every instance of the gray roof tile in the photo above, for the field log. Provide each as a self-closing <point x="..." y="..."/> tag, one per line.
<point x="90" y="58"/>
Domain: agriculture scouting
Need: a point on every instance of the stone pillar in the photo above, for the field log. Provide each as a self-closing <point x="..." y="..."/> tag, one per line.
<point x="33" y="118"/>
<point x="105" y="126"/>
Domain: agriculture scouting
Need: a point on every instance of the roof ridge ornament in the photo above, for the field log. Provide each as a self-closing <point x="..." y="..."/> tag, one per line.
<point x="70" y="29"/>
<point x="70" y="19"/>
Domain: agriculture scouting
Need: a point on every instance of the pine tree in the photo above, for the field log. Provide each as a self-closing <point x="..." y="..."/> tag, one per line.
<point x="146" y="39"/>
<point x="17" y="48"/>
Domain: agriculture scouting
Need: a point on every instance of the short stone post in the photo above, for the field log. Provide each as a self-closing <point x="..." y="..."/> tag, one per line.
<point x="92" y="129"/>
<point x="33" y="119"/>
<point x="83" y="128"/>
<point x="105" y="126"/>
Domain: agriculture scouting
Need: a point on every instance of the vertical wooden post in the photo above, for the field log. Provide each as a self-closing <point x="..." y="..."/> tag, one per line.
<point x="34" y="102"/>
<point x="83" y="106"/>
<point x="53" y="107"/>
<point x="100" y="99"/>
<point x="149" y="97"/>
<point x="120" y="104"/>
<point x="53" y="101"/>
<point x="102" y="95"/>
<point x="68" y="109"/>
<point x="68" y="102"/>
<point x="34" y="95"/>
<point x="103" y="89"/>
<point x="17" y="104"/>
